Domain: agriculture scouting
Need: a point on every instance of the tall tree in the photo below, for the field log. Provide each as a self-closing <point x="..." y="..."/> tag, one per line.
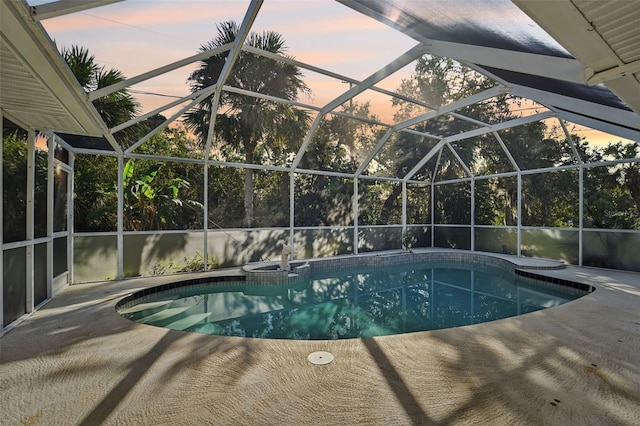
<point x="248" y="125"/>
<point x="115" y="108"/>
<point x="440" y="81"/>
<point x="157" y="195"/>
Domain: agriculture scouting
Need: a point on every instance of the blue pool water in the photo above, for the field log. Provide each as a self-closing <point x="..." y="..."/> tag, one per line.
<point x="351" y="303"/>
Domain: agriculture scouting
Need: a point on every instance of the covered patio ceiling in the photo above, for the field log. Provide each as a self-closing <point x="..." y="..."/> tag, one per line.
<point x="37" y="89"/>
<point x="578" y="59"/>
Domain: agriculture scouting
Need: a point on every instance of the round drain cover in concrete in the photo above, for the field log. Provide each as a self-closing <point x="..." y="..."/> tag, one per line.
<point x="320" y="357"/>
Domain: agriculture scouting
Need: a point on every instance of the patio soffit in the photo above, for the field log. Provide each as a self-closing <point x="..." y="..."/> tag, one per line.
<point x="37" y="89"/>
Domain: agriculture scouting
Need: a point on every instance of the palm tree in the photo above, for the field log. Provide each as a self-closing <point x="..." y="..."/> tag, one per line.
<point x="248" y="125"/>
<point x="151" y="202"/>
<point x="114" y="108"/>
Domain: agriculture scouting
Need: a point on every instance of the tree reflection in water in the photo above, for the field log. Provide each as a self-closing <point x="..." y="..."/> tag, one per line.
<point x="355" y="303"/>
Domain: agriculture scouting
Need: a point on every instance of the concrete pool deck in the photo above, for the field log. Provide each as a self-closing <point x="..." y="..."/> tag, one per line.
<point x="75" y="361"/>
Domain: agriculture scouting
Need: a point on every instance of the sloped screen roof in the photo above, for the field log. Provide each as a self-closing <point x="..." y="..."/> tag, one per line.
<point x="86" y="142"/>
<point x="499" y="26"/>
<point x="597" y="94"/>
<point x="495" y="37"/>
<point x="490" y="23"/>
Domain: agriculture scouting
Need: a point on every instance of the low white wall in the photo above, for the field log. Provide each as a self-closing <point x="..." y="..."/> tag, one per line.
<point x="160" y="253"/>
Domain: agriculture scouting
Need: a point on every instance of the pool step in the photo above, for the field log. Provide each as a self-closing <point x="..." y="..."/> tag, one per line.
<point x="189" y="321"/>
<point x="144" y="309"/>
<point x="160" y="318"/>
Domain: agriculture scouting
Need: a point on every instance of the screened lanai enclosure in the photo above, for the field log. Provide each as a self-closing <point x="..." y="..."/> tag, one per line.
<point x="146" y="138"/>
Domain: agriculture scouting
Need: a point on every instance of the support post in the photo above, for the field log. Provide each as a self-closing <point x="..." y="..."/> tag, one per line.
<point x="580" y="213"/>
<point x="70" y="217"/>
<point x="51" y="144"/>
<point x="356" y="215"/>
<point x="1" y="223"/>
<point x="205" y="212"/>
<point x="433" y="201"/>
<point x="433" y="192"/>
<point x="519" y="253"/>
<point x="292" y="205"/>
<point x="580" y="189"/>
<point x="119" y="238"/>
<point x="404" y="211"/>
<point x="473" y="213"/>
<point x="31" y="160"/>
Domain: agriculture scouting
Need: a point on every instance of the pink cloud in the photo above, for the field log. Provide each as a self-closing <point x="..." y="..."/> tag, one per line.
<point x="146" y="14"/>
<point x="136" y="37"/>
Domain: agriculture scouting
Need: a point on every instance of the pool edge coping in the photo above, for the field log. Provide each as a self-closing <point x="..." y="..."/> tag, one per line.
<point x="522" y="269"/>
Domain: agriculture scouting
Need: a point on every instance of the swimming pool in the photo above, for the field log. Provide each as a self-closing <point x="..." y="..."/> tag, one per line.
<point x="351" y="302"/>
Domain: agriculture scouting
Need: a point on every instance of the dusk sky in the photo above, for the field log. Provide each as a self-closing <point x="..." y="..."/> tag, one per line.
<point x="136" y="36"/>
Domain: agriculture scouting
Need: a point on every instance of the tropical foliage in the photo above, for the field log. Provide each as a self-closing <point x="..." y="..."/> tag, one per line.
<point x="157" y="195"/>
<point x="261" y="130"/>
<point x="170" y="194"/>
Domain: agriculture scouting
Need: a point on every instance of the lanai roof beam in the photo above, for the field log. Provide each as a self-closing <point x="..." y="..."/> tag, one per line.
<point x="65" y="7"/>
<point x="477" y="132"/>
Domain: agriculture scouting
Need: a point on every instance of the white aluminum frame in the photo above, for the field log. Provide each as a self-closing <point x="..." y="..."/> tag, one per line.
<point x="614" y="121"/>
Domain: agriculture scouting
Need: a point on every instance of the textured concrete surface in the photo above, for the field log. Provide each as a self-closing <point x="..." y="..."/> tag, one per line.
<point x="76" y="361"/>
